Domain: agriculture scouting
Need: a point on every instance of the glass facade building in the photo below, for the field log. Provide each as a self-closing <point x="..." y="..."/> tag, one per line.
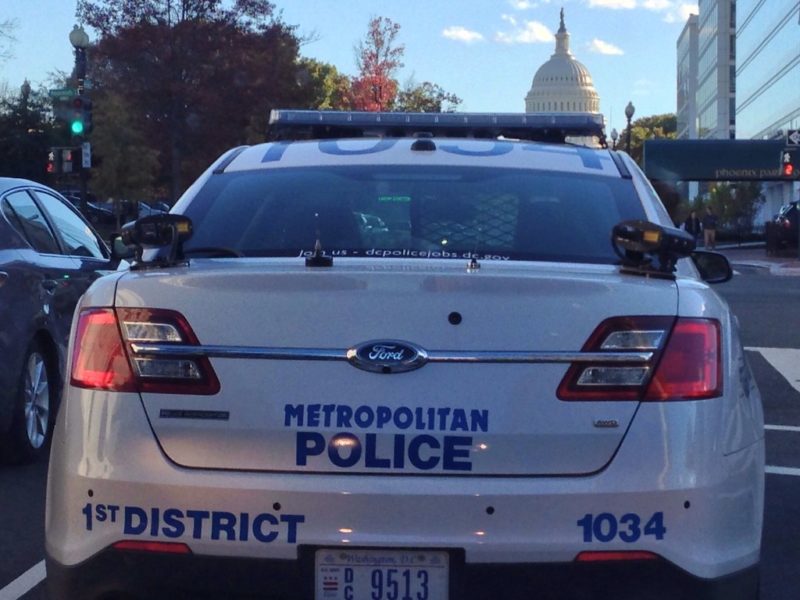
<point x="716" y="83"/>
<point x="768" y="79"/>
<point x="687" y="80"/>
<point x="768" y="70"/>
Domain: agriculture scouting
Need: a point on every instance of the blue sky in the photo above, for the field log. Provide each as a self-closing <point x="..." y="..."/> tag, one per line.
<point x="484" y="51"/>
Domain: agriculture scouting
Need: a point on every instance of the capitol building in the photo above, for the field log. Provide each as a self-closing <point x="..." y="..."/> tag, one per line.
<point x="562" y="84"/>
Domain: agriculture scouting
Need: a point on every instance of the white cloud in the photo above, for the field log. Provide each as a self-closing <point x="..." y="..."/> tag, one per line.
<point x="680" y="13"/>
<point x="531" y="32"/>
<point x="521" y="4"/>
<point x="461" y="34"/>
<point x="615" y="4"/>
<point x="600" y="47"/>
<point x="684" y="10"/>
<point x="509" y="19"/>
<point x="674" y="12"/>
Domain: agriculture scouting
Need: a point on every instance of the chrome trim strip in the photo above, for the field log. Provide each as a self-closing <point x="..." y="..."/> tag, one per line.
<point x="442" y="356"/>
<point x="240" y="352"/>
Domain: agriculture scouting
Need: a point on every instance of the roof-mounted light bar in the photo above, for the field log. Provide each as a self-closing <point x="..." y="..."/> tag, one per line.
<point x="326" y="124"/>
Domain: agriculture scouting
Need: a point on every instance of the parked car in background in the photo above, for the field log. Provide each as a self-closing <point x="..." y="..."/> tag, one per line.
<point x="96" y="212"/>
<point x="145" y="210"/>
<point x="49" y="255"/>
<point x="786" y="221"/>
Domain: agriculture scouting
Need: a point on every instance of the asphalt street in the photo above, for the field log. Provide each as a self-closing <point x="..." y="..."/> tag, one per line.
<point x="763" y="297"/>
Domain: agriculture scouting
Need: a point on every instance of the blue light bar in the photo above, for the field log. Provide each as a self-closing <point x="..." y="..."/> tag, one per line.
<point x="325" y="124"/>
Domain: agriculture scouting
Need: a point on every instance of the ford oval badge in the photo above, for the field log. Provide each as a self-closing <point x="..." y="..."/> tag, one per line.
<point x="387" y="356"/>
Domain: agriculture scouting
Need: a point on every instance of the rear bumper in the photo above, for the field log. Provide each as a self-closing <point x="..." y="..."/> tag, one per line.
<point x="113" y="573"/>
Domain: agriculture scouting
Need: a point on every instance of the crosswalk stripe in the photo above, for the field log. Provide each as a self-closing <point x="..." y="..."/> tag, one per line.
<point x="791" y="428"/>
<point x="782" y="471"/>
<point x="24" y="583"/>
<point x="784" y="360"/>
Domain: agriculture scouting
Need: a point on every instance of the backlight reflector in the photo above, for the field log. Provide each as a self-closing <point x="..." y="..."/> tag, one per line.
<point x="158" y="547"/>
<point x="607" y="556"/>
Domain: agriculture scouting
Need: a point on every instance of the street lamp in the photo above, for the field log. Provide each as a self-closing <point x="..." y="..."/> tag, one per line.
<point x="614" y="138"/>
<point x="629" y="110"/>
<point x="80" y="41"/>
<point x="25" y="92"/>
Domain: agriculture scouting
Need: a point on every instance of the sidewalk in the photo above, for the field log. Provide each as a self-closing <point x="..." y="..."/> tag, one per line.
<point x="786" y="262"/>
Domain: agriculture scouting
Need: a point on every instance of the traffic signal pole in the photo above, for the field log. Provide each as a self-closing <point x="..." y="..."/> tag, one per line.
<point x="78" y="136"/>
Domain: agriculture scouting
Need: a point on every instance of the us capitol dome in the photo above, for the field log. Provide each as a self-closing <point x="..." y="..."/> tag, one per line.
<point x="562" y="84"/>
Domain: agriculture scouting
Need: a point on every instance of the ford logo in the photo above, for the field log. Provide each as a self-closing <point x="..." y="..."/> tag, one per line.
<point x="387" y="356"/>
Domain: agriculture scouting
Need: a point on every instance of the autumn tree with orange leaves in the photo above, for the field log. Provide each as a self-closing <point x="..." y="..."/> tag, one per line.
<point x="378" y="58"/>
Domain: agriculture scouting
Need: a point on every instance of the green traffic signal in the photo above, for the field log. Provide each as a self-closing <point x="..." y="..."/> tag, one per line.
<point x="76" y="127"/>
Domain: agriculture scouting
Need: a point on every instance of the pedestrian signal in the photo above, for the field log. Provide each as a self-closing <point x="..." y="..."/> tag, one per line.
<point x="790" y="163"/>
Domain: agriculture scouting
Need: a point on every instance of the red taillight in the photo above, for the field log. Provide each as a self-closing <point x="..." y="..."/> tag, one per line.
<point x="108" y="353"/>
<point x="685" y="362"/>
<point x="606" y="556"/>
<point x="99" y="361"/>
<point x="691" y="365"/>
<point x="161" y="547"/>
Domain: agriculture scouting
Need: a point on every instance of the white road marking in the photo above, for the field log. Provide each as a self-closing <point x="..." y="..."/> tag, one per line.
<point x="791" y="428"/>
<point x="24" y="583"/>
<point x="785" y="360"/>
<point x="782" y="471"/>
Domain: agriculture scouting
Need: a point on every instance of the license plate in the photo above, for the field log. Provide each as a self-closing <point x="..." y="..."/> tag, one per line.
<point x="345" y="574"/>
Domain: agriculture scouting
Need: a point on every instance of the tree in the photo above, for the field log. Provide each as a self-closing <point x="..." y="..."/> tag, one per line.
<point x="26" y="134"/>
<point x="328" y="89"/>
<point x="129" y="165"/>
<point x="657" y="126"/>
<point x="6" y="39"/>
<point x="378" y="58"/>
<point x="736" y="204"/>
<point x="197" y="77"/>
<point x="426" y="97"/>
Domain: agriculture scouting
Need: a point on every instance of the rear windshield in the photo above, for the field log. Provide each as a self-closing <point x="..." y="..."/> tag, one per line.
<point x="413" y="212"/>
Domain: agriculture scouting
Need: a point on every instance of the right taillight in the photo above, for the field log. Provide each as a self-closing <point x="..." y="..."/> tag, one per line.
<point x="691" y="364"/>
<point x="139" y="349"/>
<point x="670" y="359"/>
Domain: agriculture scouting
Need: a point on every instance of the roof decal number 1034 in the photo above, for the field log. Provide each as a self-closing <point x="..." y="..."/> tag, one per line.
<point x="629" y="528"/>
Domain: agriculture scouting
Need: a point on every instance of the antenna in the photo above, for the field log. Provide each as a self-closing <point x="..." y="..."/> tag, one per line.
<point x="318" y="259"/>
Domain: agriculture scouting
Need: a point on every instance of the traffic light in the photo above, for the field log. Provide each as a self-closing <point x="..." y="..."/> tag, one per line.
<point x="87" y="116"/>
<point x="790" y="163"/>
<point x="80" y="120"/>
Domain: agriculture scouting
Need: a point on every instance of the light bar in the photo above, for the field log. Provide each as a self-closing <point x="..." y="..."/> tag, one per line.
<point x="325" y="124"/>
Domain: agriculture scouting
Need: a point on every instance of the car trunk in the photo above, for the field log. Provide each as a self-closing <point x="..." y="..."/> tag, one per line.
<point x="464" y="418"/>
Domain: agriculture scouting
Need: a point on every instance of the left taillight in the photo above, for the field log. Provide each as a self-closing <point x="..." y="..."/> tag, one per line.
<point x="107" y="353"/>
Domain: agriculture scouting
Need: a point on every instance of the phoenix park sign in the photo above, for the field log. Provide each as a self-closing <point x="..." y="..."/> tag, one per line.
<point x="713" y="160"/>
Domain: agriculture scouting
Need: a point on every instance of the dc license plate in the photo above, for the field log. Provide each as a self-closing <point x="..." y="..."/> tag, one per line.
<point x="344" y="574"/>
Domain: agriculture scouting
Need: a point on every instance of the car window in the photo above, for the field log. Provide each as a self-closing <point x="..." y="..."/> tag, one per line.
<point x="22" y="212"/>
<point x="78" y="238"/>
<point x="442" y="212"/>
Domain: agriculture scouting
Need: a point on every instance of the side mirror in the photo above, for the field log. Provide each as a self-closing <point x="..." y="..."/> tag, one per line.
<point x="713" y="267"/>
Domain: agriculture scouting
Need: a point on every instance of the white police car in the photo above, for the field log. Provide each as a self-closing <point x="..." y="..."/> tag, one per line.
<point x="461" y="359"/>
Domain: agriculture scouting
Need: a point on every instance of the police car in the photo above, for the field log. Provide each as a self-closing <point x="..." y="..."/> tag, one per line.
<point x="409" y="356"/>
